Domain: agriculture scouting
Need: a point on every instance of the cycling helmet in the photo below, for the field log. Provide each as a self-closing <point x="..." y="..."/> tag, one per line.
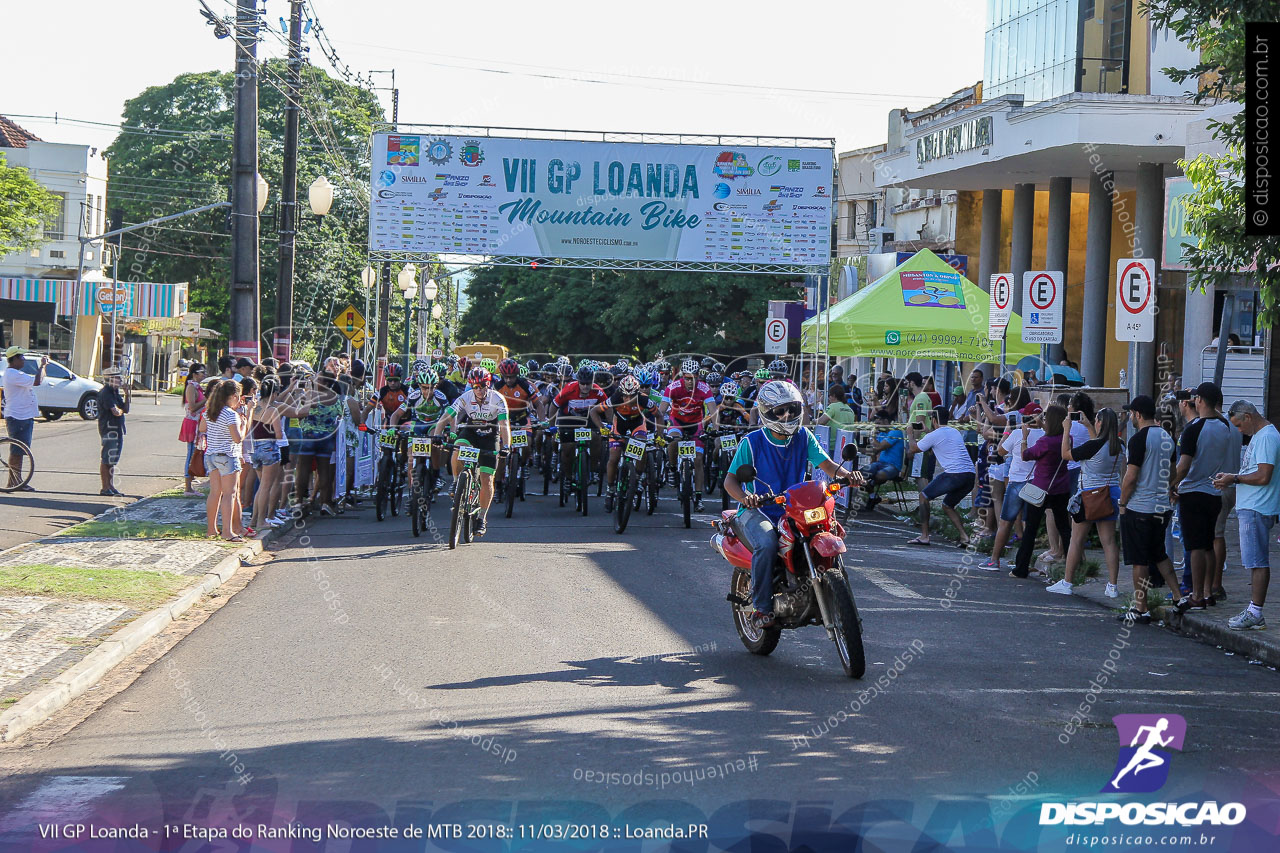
<point x="562" y="359"/>
<point x="586" y="362"/>
<point x="489" y="365"/>
<point x="730" y="390"/>
<point x="778" y="366"/>
<point x="440" y="368"/>
<point x="508" y="367"/>
<point x="586" y="375"/>
<point x="689" y="366"/>
<point x="463" y="365"/>
<point x="663" y="366"/>
<point x="763" y="373"/>
<point x="629" y="385"/>
<point x="394" y="371"/>
<point x="550" y="369"/>
<point x="424" y="376"/>
<point x="478" y="377"/>
<point x="565" y="370"/>
<point x="706" y="362"/>
<point x="718" y="367"/>
<point x="524" y="370"/>
<point x="781" y="406"/>
<point x="532" y="365"/>
<point x="714" y="379"/>
<point x="453" y="359"/>
<point x="619" y="370"/>
<point x="645" y="377"/>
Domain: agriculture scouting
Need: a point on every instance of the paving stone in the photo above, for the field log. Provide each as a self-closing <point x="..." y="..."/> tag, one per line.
<point x="163" y="510"/>
<point x="193" y="557"/>
<point x="37" y="636"/>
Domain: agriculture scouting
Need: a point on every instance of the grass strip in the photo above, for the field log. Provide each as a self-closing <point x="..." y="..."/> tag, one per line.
<point x="139" y="590"/>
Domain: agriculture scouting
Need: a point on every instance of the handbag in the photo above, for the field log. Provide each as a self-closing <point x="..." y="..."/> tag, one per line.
<point x="1034" y="495"/>
<point x="196" y="468"/>
<point x="1097" y="502"/>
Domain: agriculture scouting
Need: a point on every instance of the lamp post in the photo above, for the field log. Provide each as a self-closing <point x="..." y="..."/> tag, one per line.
<point x="320" y="199"/>
<point x="407" y="280"/>
<point x="369" y="278"/>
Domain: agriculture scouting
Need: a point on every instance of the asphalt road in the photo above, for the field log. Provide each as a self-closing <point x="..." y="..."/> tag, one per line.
<point x="68" y="453"/>
<point x="559" y="648"/>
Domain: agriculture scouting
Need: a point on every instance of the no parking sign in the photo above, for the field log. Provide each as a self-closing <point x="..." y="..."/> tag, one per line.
<point x="1042" y="298"/>
<point x="1001" y="304"/>
<point x="1136" y="299"/>
<point x="775" y="336"/>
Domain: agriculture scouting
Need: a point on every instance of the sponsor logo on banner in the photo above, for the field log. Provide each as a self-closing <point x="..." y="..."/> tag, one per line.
<point x="416" y="179"/>
<point x="747" y="191"/>
<point x="404" y="150"/>
<point x="437" y="194"/>
<point x="772" y="205"/>
<point x="486" y="181"/>
<point x="721" y="190"/>
<point x="821" y="192"/>
<point x="452" y="180"/>
<point x="787" y="192"/>
<point x="731" y="164"/>
<point x="439" y="151"/>
<point x="770" y="165"/>
<point x="471" y="154"/>
<point x="724" y="205"/>
<point x="386" y="178"/>
<point x="793" y="165"/>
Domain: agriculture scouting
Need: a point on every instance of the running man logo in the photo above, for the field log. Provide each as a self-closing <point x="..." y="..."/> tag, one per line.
<point x="892" y="338"/>
<point x="1143" y="765"/>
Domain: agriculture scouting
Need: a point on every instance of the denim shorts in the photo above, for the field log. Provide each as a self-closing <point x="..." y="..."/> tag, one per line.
<point x="112" y="446"/>
<point x="265" y="452"/>
<point x="317" y="446"/>
<point x="1255" y="538"/>
<point x="20" y="428"/>
<point x="950" y="487"/>
<point x="1011" y="507"/>
<point x="224" y="463"/>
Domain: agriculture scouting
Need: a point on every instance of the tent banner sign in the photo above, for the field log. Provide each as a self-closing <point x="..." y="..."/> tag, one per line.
<point x="930" y="289"/>
<point x="600" y="200"/>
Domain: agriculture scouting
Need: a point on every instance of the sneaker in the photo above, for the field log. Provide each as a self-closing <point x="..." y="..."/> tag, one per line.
<point x="1061" y="587"/>
<point x="1202" y="604"/>
<point x="325" y="509"/>
<point x="697" y="503"/>
<point x="1247" y="621"/>
<point x="1211" y="600"/>
<point x="1183" y="605"/>
<point x="608" y="502"/>
<point x="1111" y="591"/>
<point x="991" y="565"/>
<point x="481" y="527"/>
<point x="276" y="522"/>
<point x="763" y="620"/>
<point x="1135" y="616"/>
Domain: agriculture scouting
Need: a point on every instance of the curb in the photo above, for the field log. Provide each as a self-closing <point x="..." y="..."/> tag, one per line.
<point x="42" y="703"/>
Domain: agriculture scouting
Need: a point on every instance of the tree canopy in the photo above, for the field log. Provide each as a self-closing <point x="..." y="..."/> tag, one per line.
<point x="633" y="312"/>
<point x="174" y="154"/>
<point x="25" y="207"/>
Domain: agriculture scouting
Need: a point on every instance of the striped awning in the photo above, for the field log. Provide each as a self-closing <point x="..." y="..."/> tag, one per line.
<point x="145" y="299"/>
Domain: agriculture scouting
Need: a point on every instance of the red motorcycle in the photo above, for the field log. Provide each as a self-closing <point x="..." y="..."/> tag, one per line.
<point x="809" y="582"/>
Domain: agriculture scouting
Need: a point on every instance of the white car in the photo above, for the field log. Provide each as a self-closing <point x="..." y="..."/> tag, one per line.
<point x="61" y="391"/>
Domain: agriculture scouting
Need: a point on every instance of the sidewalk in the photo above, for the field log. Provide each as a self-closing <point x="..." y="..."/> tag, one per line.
<point x="1209" y="625"/>
<point x="72" y="605"/>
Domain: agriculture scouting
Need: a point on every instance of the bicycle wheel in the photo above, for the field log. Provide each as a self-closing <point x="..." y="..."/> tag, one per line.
<point x="622" y="500"/>
<point x="397" y="485"/>
<point x="380" y="500"/>
<point x="655" y="481"/>
<point x="458" y="517"/>
<point x="564" y="486"/>
<point x="431" y="481"/>
<point x="548" y="454"/>
<point x="512" y="480"/>
<point x="686" y="492"/>
<point x="724" y="466"/>
<point x="584" y="477"/>
<point x="16" y="464"/>
<point x="414" y="503"/>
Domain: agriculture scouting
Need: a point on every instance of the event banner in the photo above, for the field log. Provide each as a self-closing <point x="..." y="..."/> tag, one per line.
<point x="600" y="200"/>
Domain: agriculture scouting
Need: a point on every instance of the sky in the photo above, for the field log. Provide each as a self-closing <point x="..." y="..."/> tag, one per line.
<point x="799" y="68"/>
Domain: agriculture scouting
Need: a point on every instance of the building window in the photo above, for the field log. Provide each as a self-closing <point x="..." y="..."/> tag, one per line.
<point x="872" y="212"/>
<point x="53" y="229"/>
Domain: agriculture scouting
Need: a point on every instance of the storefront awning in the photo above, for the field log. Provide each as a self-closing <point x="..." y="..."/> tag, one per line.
<point x="142" y="298"/>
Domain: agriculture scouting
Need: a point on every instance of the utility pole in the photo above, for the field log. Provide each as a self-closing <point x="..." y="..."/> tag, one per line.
<point x="283" y="337"/>
<point x="244" y="195"/>
<point x="384" y="297"/>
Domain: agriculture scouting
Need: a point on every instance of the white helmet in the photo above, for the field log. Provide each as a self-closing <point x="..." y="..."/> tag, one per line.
<point x="781" y="406"/>
<point x="689" y="366"/>
<point x="628" y="384"/>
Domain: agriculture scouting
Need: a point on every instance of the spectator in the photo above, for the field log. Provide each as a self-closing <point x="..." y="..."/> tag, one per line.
<point x="266" y="432"/>
<point x="1099" y="459"/>
<point x="226" y="367"/>
<point x="1146" y="506"/>
<point x="1257" y="504"/>
<point x="1231" y="459"/>
<point x="1204" y="449"/>
<point x="193" y="398"/>
<point x="836" y="380"/>
<point x="935" y="399"/>
<point x="20" y="408"/>
<point x="248" y="475"/>
<point x="112" y="407"/>
<point x="837" y="413"/>
<point x="1050" y="475"/>
<point x="889" y="449"/>
<point x="1017" y="474"/>
<point x="223" y="434"/>
<point x="956" y="479"/>
<point x="244" y="368"/>
<point x="921" y="402"/>
<point x="853" y="397"/>
<point x="318" y="429"/>
<point x="959" y="404"/>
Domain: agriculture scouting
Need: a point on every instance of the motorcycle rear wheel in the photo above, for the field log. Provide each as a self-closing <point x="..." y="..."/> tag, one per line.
<point x="759" y="641"/>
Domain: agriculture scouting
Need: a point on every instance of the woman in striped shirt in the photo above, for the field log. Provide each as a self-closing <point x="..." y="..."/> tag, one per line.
<point x="223" y="433"/>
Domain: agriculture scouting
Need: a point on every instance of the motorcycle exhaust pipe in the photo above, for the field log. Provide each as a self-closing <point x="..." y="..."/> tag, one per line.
<point x="717" y="542"/>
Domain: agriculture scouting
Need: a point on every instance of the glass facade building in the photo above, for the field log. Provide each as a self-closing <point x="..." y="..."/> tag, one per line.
<point x="1042" y="49"/>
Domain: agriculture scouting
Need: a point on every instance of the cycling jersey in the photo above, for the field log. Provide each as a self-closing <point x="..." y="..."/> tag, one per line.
<point x="573" y="405"/>
<point x="734" y="415"/>
<point x="481" y="417"/>
<point x="425" y="410"/>
<point x="519" y="397"/>
<point x="687" y="405"/>
<point x="391" y="400"/>
<point x="450" y="390"/>
<point x="630" y="413"/>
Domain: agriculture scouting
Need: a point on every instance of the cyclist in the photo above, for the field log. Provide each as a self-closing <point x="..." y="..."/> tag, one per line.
<point x="522" y="399"/>
<point x="778" y="369"/>
<point x="629" y="411"/>
<point x="572" y="409"/>
<point x="714" y="381"/>
<point x="685" y="404"/>
<point x="482" y="420"/>
<point x="664" y="372"/>
<point x="760" y="377"/>
<point x="424" y="406"/>
<point x="730" y="412"/>
<point x="443" y="384"/>
<point x="390" y="396"/>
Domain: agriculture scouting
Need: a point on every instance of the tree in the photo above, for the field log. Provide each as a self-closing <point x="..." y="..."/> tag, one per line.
<point x="25" y="207"/>
<point x="175" y="154"/>
<point x="1216" y="206"/>
<point x="632" y="312"/>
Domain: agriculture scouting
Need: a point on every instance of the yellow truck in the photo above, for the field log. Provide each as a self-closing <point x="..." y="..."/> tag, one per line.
<point x="479" y="350"/>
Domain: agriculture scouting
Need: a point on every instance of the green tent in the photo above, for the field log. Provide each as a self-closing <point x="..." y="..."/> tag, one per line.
<point x="923" y="309"/>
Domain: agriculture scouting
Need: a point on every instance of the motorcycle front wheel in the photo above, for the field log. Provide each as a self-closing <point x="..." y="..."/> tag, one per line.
<point x="759" y="641"/>
<point x="848" y="625"/>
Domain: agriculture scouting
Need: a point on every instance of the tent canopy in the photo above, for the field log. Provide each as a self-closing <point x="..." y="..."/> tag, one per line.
<point x="923" y="309"/>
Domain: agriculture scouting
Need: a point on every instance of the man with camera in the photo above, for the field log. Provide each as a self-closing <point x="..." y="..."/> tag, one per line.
<point x="929" y="431"/>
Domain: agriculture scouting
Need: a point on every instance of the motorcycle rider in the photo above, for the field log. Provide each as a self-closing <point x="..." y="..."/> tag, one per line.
<point x="779" y="451"/>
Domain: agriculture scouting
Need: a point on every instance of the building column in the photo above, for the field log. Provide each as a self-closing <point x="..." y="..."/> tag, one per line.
<point x="1024" y="220"/>
<point x="989" y="257"/>
<point x="1059" y="243"/>
<point x="1148" y="236"/>
<point x="1197" y="333"/>
<point x="21" y="336"/>
<point x="1097" y="281"/>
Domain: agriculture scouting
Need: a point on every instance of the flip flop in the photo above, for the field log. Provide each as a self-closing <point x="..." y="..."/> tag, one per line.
<point x="917" y="541"/>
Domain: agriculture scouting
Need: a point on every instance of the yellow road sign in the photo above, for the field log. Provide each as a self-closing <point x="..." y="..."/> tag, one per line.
<point x="358" y="340"/>
<point x="349" y="322"/>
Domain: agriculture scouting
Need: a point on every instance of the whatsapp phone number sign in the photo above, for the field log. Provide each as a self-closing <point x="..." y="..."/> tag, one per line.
<point x="893" y="338"/>
<point x="600" y="200"/>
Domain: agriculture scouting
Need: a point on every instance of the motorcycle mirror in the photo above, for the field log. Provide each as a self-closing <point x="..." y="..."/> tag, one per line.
<point x="849" y="453"/>
<point x="745" y="473"/>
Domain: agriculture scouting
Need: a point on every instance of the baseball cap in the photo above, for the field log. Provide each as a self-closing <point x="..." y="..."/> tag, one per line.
<point x="1032" y="408"/>
<point x="1210" y="393"/>
<point x="1143" y="405"/>
<point x="244" y="362"/>
<point x="14" y="350"/>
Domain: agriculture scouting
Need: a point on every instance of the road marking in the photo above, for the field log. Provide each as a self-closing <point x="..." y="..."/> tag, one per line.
<point x="62" y="799"/>
<point x="887" y="583"/>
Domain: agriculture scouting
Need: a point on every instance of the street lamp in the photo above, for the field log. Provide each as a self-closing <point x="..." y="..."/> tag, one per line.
<point x="407" y="280"/>
<point x="320" y="196"/>
<point x="437" y="311"/>
<point x="263" y="189"/>
<point x="368" y="278"/>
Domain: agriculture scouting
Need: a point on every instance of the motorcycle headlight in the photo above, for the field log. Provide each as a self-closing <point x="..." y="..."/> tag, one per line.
<point x="813" y="516"/>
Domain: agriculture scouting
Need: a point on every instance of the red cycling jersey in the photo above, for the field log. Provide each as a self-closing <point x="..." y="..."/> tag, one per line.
<point x="687" y="405"/>
<point x="571" y="403"/>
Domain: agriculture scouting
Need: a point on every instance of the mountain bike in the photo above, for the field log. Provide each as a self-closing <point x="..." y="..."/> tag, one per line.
<point x="549" y="460"/>
<point x="725" y="448"/>
<point x="466" y="495"/>
<point x="515" y="473"/>
<point x="577" y="480"/>
<point x="424" y="482"/>
<point x="391" y="473"/>
<point x="630" y="488"/>
<point x="687" y="457"/>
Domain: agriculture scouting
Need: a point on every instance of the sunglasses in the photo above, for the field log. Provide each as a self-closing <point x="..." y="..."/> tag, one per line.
<point x="786" y="411"/>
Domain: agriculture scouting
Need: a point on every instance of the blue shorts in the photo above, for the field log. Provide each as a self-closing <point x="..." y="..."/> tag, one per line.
<point x="265" y="453"/>
<point x="1011" y="507"/>
<point x="317" y="446"/>
<point x="20" y="429"/>
<point x="950" y="487"/>
<point x="224" y="463"/>
<point x="1255" y="538"/>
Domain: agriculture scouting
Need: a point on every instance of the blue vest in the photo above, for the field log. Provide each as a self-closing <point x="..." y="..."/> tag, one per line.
<point x="779" y="467"/>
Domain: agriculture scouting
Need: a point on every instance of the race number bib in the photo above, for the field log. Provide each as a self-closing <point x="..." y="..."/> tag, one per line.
<point x="582" y="435"/>
<point x="635" y="449"/>
<point x="520" y="438"/>
<point x="688" y="449"/>
<point x="729" y="443"/>
<point x="387" y="439"/>
<point x="421" y="447"/>
<point x="467" y="453"/>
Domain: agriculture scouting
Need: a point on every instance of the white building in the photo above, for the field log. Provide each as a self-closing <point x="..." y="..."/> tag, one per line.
<point x="860" y="207"/>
